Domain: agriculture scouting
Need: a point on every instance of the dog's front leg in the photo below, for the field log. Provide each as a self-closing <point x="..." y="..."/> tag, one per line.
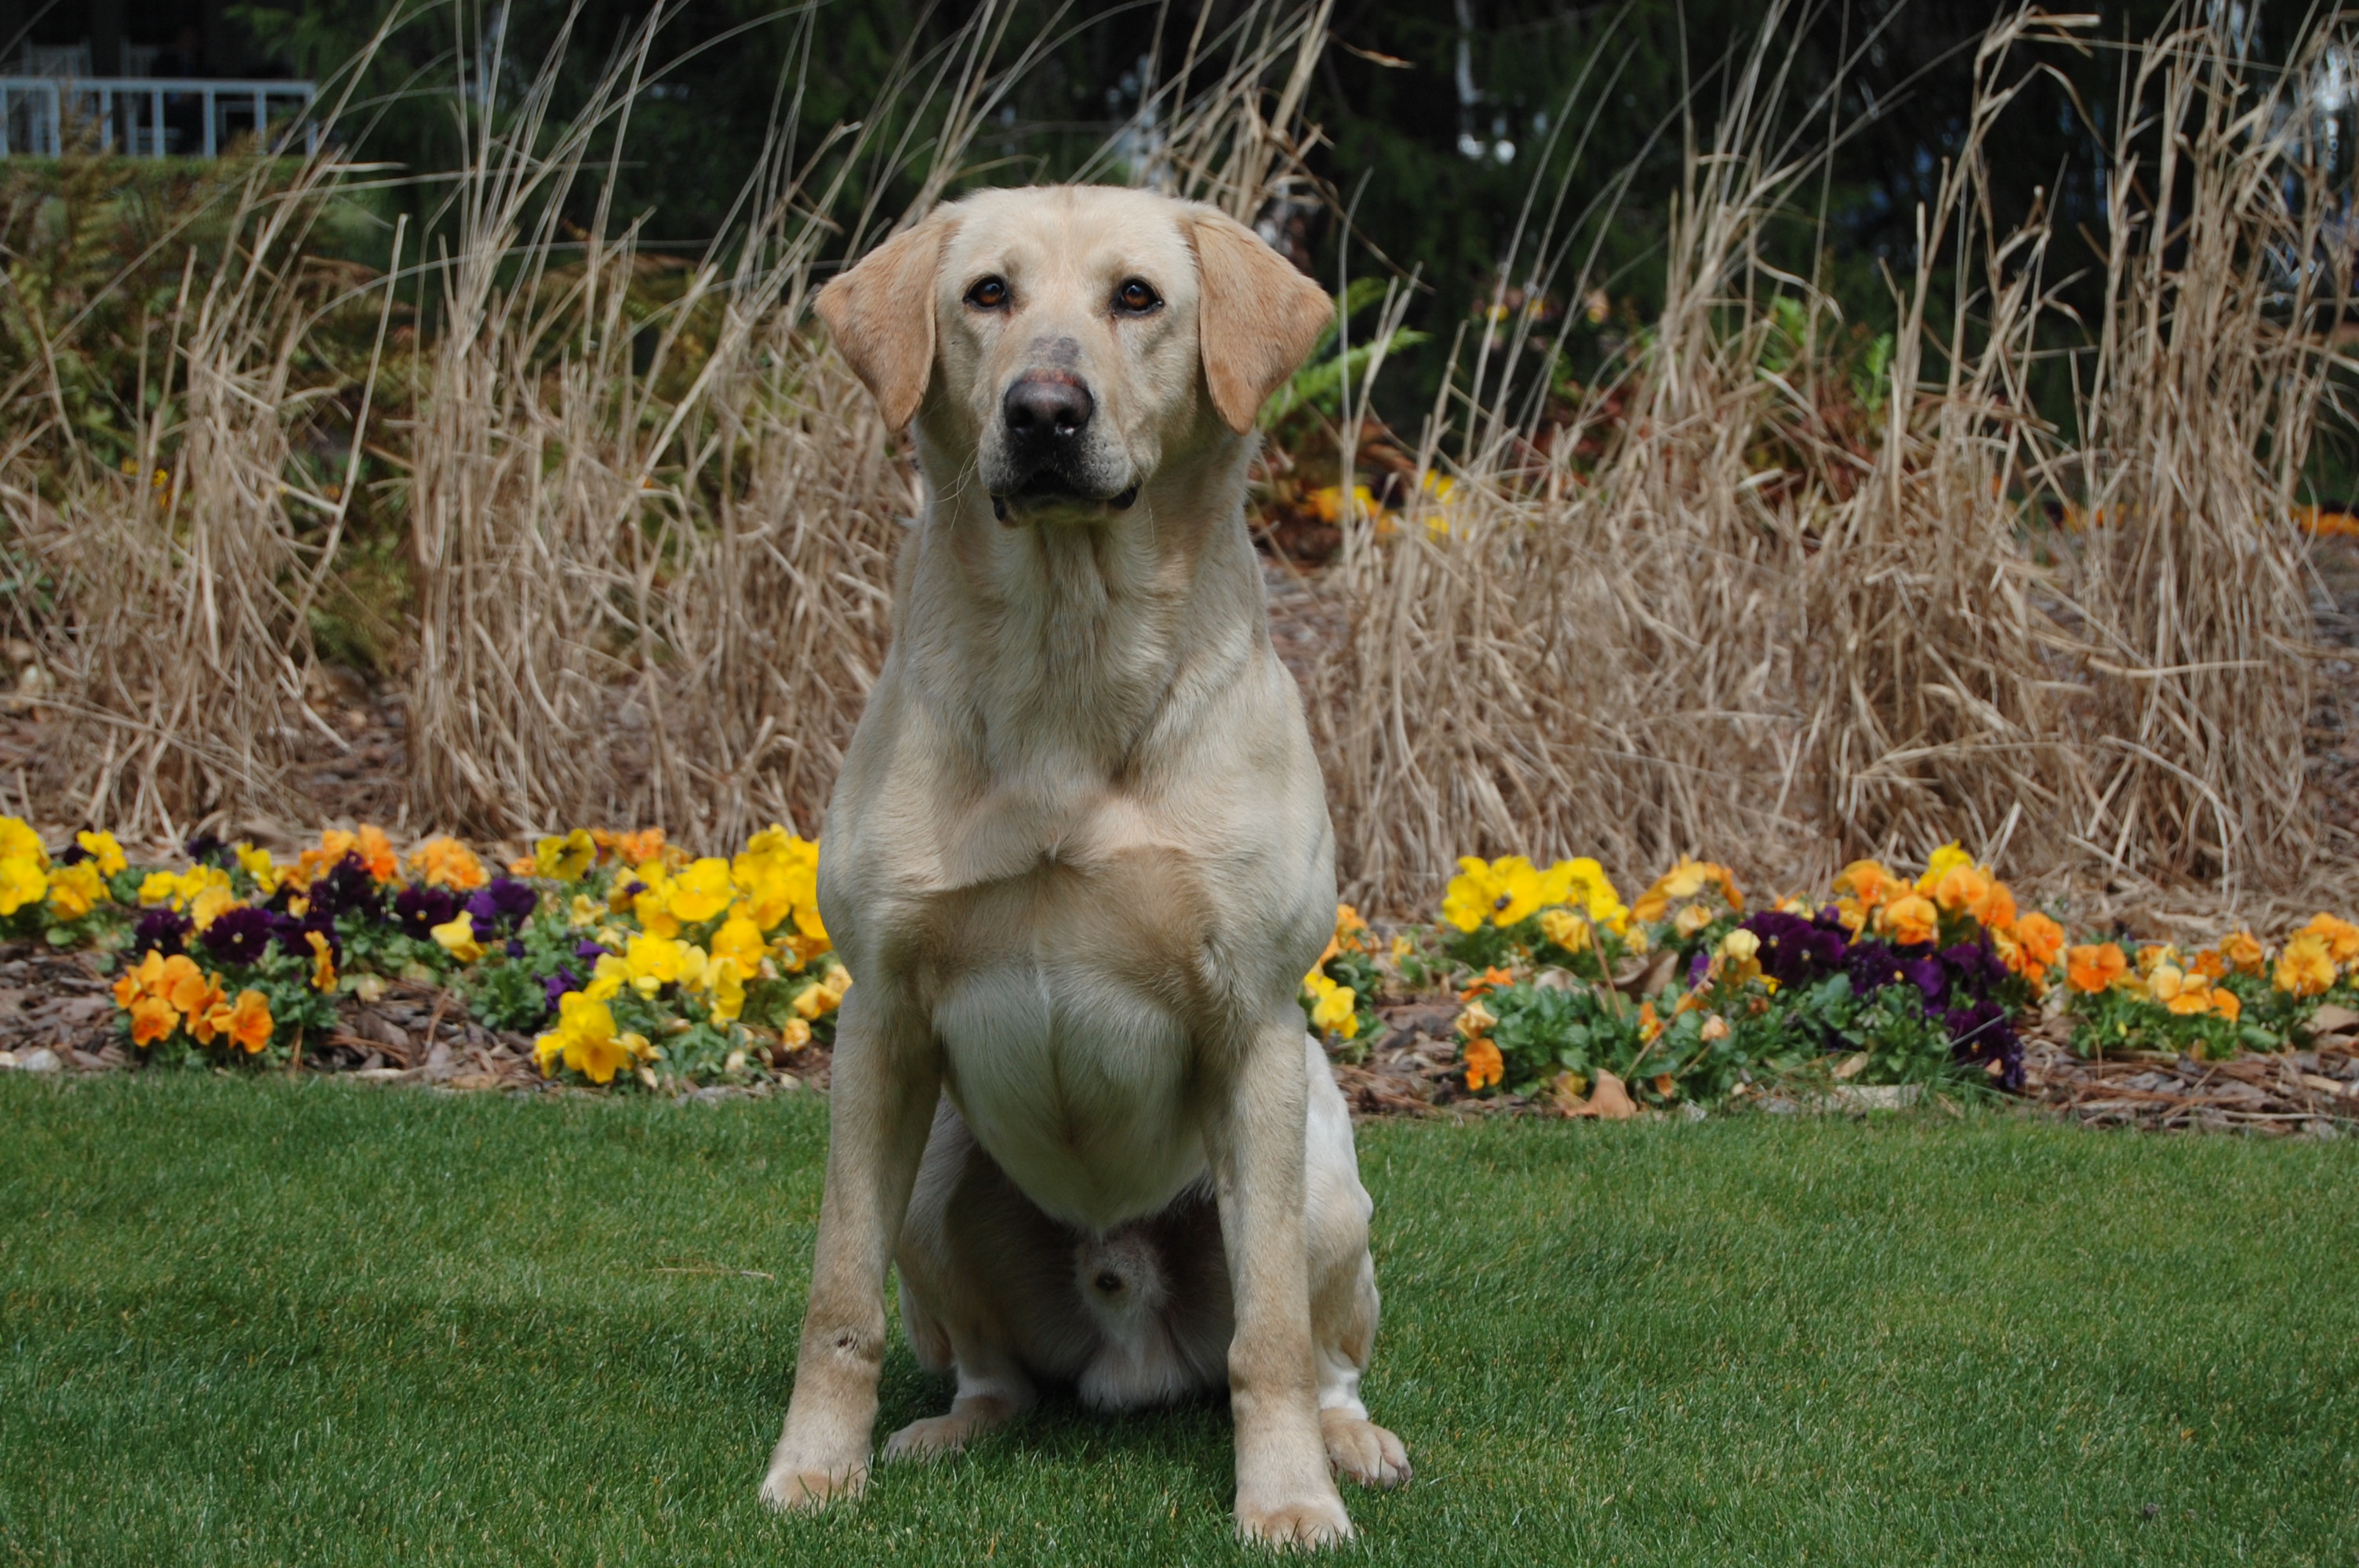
<point x="881" y="1101"/>
<point x="1285" y="1494"/>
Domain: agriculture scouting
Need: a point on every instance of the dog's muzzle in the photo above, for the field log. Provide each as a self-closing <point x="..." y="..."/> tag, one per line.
<point x="1046" y="453"/>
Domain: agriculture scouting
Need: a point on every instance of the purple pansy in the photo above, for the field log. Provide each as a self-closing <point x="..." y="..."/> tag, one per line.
<point x="500" y="905"/>
<point x="1981" y="1034"/>
<point x="422" y="909"/>
<point x="1872" y="967"/>
<point x="1796" y="949"/>
<point x="347" y="888"/>
<point x="161" y="930"/>
<point x="239" y="937"/>
<point x="558" y="984"/>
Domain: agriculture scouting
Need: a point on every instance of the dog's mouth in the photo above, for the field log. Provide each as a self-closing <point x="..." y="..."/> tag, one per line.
<point x="1046" y="488"/>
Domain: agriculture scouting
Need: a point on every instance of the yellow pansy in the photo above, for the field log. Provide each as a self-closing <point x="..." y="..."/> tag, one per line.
<point x="1566" y="929"/>
<point x="184" y="890"/>
<point x="323" y="962"/>
<point x="650" y="963"/>
<point x="1503" y="892"/>
<point x="586" y="1041"/>
<point x="457" y="938"/>
<point x="778" y="873"/>
<point x="1584" y="885"/>
<point x="75" y="889"/>
<point x="702" y="891"/>
<point x="103" y="851"/>
<point x="258" y="865"/>
<point x="211" y="902"/>
<point x="2306" y="968"/>
<point x="740" y="941"/>
<point x="728" y="989"/>
<point x="815" y="1000"/>
<point x="1337" y="1011"/>
<point x="652" y="904"/>
<point x="1942" y="861"/>
<point x="565" y="859"/>
<point x="19" y="842"/>
<point x="608" y="978"/>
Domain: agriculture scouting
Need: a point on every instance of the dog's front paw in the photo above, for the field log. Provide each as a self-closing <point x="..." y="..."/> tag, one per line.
<point x="798" y="1485"/>
<point x="1306" y="1521"/>
<point x="1363" y="1450"/>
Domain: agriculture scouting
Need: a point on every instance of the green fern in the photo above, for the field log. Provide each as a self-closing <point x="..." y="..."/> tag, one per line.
<point x="1319" y="384"/>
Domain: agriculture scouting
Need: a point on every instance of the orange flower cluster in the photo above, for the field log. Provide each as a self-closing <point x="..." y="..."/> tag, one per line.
<point x="374" y="850"/>
<point x="164" y="994"/>
<point x="1685" y="881"/>
<point x="2308" y="966"/>
<point x="1956" y="889"/>
<point x="445" y="863"/>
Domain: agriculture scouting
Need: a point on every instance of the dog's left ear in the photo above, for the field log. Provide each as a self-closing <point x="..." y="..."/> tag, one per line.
<point x="1259" y="319"/>
<point x="881" y="314"/>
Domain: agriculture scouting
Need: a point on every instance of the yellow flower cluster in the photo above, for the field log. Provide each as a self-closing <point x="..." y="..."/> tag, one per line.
<point x="1511" y="889"/>
<point x="772" y="882"/>
<point x="707" y="929"/>
<point x="24" y="866"/>
<point x="201" y="892"/>
<point x="585" y="1040"/>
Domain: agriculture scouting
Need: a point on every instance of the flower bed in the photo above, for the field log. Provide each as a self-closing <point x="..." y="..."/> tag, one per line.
<point x="623" y="957"/>
<point x="617" y="960"/>
<point x="1569" y="999"/>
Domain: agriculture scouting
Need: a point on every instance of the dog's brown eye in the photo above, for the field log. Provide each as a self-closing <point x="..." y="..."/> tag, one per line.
<point x="1136" y="297"/>
<point x="988" y="295"/>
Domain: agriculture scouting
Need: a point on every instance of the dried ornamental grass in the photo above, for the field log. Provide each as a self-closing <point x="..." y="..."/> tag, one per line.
<point x="2200" y="412"/>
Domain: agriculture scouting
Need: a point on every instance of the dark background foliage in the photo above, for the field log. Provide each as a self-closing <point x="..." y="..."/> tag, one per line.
<point x="1440" y="118"/>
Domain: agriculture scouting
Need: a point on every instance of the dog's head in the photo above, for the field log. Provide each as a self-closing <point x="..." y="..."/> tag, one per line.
<point x="1071" y="338"/>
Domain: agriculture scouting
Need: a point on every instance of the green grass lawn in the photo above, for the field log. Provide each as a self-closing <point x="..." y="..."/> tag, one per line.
<point x="317" y="1322"/>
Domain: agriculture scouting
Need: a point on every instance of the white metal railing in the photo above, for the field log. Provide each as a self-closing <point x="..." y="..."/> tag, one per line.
<point x="147" y="116"/>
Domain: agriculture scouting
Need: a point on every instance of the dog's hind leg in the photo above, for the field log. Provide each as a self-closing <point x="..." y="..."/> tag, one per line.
<point x="982" y="1287"/>
<point x="1342" y="1288"/>
<point x="993" y="1389"/>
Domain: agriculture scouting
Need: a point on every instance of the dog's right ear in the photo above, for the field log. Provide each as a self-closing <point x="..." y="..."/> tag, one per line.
<point x="881" y="316"/>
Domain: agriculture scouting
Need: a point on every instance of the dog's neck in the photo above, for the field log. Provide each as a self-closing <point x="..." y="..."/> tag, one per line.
<point x="1077" y="644"/>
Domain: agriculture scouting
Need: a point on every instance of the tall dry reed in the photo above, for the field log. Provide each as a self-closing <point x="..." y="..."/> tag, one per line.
<point x="2221" y="277"/>
<point x="186" y="576"/>
<point x="1851" y="648"/>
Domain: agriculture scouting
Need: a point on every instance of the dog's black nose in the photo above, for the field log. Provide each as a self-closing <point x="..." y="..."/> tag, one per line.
<point x="1047" y="407"/>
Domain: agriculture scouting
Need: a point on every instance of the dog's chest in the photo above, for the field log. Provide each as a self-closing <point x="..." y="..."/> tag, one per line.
<point x="1069" y="1002"/>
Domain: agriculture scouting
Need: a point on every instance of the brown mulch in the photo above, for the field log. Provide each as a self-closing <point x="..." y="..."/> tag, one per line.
<point x="61" y="1001"/>
<point x="2313" y="1092"/>
<point x="1410" y="1067"/>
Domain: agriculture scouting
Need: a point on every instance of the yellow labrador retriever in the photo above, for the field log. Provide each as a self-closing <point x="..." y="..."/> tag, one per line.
<point x="1079" y="860"/>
